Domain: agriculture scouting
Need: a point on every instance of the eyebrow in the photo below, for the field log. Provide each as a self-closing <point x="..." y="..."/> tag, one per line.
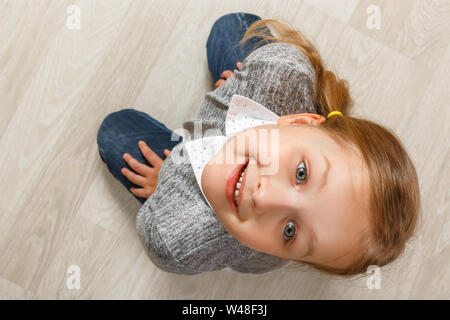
<point x="325" y="172"/>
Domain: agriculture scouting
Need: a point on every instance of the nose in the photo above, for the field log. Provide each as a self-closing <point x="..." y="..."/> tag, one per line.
<point x="270" y="196"/>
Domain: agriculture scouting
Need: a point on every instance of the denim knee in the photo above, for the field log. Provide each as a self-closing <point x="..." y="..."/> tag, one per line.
<point x="105" y="133"/>
<point x="224" y="22"/>
<point x="109" y="120"/>
<point x="230" y="17"/>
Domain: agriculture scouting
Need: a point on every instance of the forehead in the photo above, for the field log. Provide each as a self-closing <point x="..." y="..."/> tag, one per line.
<point x="348" y="167"/>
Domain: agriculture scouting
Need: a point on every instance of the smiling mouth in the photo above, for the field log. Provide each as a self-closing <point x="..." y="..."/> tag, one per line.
<point x="232" y="187"/>
<point x="239" y="187"/>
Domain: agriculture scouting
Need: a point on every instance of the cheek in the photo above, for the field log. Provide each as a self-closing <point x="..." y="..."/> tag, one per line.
<point x="254" y="236"/>
<point x="208" y="176"/>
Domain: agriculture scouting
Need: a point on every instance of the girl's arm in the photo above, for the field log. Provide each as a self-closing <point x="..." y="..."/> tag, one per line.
<point x="277" y="75"/>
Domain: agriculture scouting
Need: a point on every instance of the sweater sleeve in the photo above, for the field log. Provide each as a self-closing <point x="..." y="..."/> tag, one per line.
<point x="279" y="76"/>
<point x="178" y="230"/>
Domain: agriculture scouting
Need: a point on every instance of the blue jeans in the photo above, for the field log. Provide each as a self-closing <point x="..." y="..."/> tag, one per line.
<point x="121" y="131"/>
<point x="222" y="48"/>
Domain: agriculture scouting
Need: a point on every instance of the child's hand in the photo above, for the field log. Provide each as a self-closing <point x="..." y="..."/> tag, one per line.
<point x="226" y="74"/>
<point x="146" y="177"/>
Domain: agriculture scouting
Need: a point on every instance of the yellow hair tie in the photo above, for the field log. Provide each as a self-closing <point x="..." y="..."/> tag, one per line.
<point x="335" y="112"/>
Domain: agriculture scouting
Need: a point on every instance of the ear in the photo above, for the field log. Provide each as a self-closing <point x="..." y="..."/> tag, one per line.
<point x="301" y="118"/>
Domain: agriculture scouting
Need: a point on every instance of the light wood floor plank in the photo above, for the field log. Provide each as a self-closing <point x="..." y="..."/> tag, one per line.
<point x="59" y="206"/>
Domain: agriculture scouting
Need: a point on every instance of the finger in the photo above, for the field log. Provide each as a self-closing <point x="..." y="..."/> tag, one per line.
<point x="140" y="192"/>
<point x="167" y="152"/>
<point x="219" y="83"/>
<point x="239" y="65"/>
<point x="151" y="156"/>
<point x="226" y="74"/>
<point x="133" y="177"/>
<point x="138" y="167"/>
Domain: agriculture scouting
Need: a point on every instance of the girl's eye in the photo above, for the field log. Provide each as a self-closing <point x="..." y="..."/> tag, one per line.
<point x="301" y="174"/>
<point x="289" y="231"/>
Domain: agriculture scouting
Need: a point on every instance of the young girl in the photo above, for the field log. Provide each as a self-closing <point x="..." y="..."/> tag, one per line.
<point x="341" y="193"/>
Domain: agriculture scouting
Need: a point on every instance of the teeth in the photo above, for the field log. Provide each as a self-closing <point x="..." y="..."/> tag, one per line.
<point x="238" y="185"/>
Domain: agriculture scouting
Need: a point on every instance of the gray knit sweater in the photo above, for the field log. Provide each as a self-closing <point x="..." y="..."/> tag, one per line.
<point x="180" y="232"/>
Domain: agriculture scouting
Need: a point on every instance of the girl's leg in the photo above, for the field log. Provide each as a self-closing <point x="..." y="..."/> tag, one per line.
<point x="120" y="133"/>
<point x="222" y="49"/>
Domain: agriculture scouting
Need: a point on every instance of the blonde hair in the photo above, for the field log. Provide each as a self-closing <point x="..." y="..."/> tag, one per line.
<point x="394" y="200"/>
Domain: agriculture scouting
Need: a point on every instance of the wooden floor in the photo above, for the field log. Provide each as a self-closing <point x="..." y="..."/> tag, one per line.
<point x="59" y="205"/>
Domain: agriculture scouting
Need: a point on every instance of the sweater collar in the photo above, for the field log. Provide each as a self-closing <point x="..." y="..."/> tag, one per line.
<point x="243" y="113"/>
